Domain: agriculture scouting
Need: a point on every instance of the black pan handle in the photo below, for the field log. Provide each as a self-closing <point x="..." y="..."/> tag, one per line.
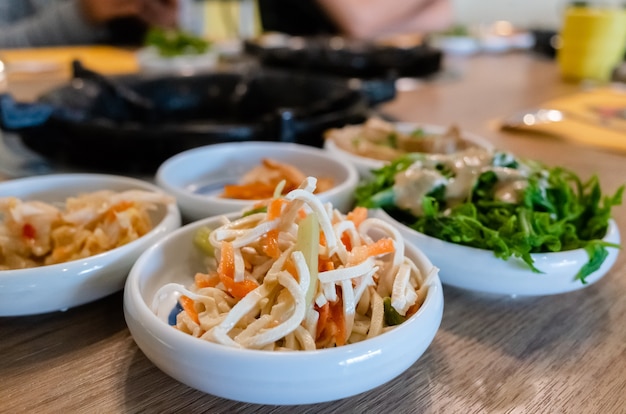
<point x="15" y="116"/>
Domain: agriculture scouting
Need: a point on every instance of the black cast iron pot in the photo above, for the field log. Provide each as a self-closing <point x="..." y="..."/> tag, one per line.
<point x="132" y="124"/>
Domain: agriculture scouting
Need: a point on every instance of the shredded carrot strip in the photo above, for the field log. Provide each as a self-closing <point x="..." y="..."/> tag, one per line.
<point x="255" y="191"/>
<point x="381" y="246"/>
<point x="345" y="239"/>
<point x="324" y="314"/>
<point x="226" y="272"/>
<point x="227" y="260"/>
<point x="413" y="309"/>
<point x="206" y="280"/>
<point x="270" y="244"/>
<point x="291" y="268"/>
<point x="336" y="314"/>
<point x="322" y="239"/>
<point x="188" y="306"/>
<point x="275" y="208"/>
<point x="301" y="213"/>
<point x="357" y="216"/>
<point x="324" y="265"/>
<point x="360" y="253"/>
<point x="238" y="289"/>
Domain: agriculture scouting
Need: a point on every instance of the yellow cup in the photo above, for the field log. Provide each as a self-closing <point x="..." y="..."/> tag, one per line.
<point x="593" y="41"/>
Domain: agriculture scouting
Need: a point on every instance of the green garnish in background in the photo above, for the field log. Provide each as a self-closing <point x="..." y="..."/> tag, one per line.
<point x="172" y="43"/>
<point x="558" y="212"/>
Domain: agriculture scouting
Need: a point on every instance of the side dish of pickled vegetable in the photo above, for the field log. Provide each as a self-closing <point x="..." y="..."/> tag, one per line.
<point x="299" y="275"/>
<point x="35" y="233"/>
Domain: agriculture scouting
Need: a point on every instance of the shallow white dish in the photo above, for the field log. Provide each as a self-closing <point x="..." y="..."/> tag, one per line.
<point x="265" y="377"/>
<point x="196" y="177"/>
<point x="365" y="165"/>
<point x="150" y="60"/>
<point x="457" y="45"/>
<point x="66" y="285"/>
<point x="479" y="270"/>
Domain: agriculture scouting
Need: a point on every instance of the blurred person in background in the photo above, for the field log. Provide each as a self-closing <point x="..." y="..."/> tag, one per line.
<point x="362" y="19"/>
<point x="34" y="23"/>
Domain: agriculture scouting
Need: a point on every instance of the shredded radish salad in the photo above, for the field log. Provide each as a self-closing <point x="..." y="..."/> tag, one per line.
<point x="35" y="233"/>
<point x="298" y="275"/>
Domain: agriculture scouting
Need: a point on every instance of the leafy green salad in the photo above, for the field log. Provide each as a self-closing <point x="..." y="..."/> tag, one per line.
<point x="171" y="43"/>
<point x="495" y="201"/>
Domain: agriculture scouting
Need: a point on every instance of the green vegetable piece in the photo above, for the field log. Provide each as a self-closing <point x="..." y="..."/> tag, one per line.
<point x="392" y="317"/>
<point x="308" y="241"/>
<point x="262" y="209"/>
<point x="172" y="43"/>
<point x="201" y="240"/>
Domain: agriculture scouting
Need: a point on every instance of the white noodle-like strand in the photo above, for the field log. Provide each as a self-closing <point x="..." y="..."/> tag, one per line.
<point x="344" y="273"/>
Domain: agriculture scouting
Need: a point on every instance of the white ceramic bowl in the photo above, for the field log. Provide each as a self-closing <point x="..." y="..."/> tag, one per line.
<point x="65" y="285"/>
<point x="480" y="270"/>
<point x="265" y="377"/>
<point x="457" y="45"/>
<point x="150" y="60"/>
<point x="365" y="165"/>
<point x="196" y="177"/>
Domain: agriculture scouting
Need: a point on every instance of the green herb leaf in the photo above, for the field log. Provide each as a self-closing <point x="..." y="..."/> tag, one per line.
<point x="172" y="43"/>
<point x="557" y="212"/>
<point x="392" y="317"/>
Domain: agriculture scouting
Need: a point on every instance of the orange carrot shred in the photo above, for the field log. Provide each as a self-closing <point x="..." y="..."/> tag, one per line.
<point x="324" y="265"/>
<point x="238" y="289"/>
<point x="360" y="253"/>
<point x="270" y="244"/>
<point x="322" y="238"/>
<point x="255" y="191"/>
<point x="291" y="268"/>
<point x="188" y="306"/>
<point x="324" y="314"/>
<point x="381" y="246"/>
<point x="336" y="312"/>
<point x="275" y="208"/>
<point x="227" y="260"/>
<point x="357" y="216"/>
<point x="206" y="280"/>
<point x="345" y="239"/>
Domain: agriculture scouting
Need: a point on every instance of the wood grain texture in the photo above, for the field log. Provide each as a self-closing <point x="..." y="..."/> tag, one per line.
<point x="557" y="354"/>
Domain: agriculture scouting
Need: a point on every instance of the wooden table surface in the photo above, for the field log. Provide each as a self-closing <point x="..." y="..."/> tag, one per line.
<point x="556" y="354"/>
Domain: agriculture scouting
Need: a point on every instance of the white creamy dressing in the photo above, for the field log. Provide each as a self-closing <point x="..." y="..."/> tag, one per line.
<point x="422" y="177"/>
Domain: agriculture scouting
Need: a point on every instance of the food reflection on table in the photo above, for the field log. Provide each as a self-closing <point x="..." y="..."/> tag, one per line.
<point x="524" y="196"/>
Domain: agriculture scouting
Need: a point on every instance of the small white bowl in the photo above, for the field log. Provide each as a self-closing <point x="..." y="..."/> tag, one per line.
<point x="481" y="271"/>
<point x="150" y="60"/>
<point x="196" y="177"/>
<point x="365" y="165"/>
<point x="266" y="377"/>
<point x="66" y="285"/>
<point x="457" y="45"/>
